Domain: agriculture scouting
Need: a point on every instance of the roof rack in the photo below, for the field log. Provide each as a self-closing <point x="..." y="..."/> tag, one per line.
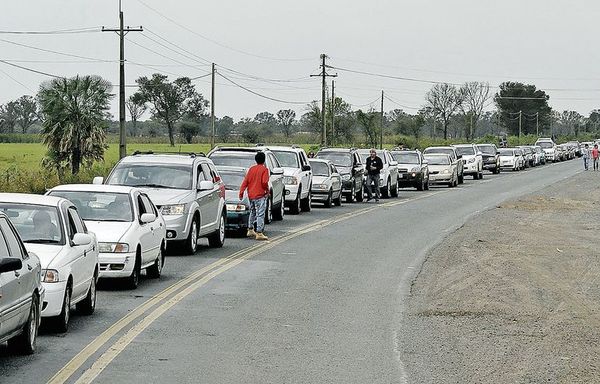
<point x="190" y="154"/>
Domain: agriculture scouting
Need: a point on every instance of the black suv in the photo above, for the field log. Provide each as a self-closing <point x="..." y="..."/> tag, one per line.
<point x="490" y="156"/>
<point x="349" y="164"/>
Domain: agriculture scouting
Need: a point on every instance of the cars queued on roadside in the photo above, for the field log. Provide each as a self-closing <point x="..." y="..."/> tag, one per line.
<point x="55" y="248"/>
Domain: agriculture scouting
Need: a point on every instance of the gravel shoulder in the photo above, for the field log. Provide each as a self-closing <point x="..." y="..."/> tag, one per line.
<point x="513" y="296"/>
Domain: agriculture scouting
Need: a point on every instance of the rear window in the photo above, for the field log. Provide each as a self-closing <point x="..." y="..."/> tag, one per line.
<point x="287" y="159"/>
<point x="339" y="159"/>
<point x="446" y="151"/>
<point x="438" y="160"/>
<point x="545" y="144"/>
<point x="465" y="151"/>
<point x="487" y="149"/>
<point x="406" y="158"/>
<point x="228" y="159"/>
<point x="319" y="168"/>
<point x="506" y="152"/>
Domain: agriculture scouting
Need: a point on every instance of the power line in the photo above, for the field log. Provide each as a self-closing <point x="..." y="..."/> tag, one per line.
<point x="261" y="95"/>
<point x="400" y="104"/>
<point x="30" y="69"/>
<point x="54" y="52"/>
<point x="16" y="81"/>
<point x="208" y="63"/>
<point x="54" y="32"/>
<point x="216" y="42"/>
<point x="390" y="76"/>
<point x="175" y="51"/>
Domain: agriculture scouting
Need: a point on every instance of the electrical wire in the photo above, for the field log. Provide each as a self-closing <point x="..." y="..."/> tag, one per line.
<point x="389" y="76"/>
<point x="55" y="52"/>
<point x="55" y="32"/>
<point x="216" y="42"/>
<point x="16" y="81"/>
<point x="31" y="69"/>
<point x="204" y="64"/>
<point x="399" y="104"/>
<point x="178" y="47"/>
<point x="261" y="95"/>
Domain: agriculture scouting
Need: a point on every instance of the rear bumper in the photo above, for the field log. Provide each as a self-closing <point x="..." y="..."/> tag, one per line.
<point x="237" y="220"/>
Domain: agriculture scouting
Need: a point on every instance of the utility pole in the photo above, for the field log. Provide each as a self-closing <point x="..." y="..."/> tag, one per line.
<point x="520" y="113"/>
<point x="212" y="107"/>
<point x="323" y="76"/>
<point x="121" y="31"/>
<point x="332" y="110"/>
<point x="537" y="124"/>
<point x="381" y="130"/>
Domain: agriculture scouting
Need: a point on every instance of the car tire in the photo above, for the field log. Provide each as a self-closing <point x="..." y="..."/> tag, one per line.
<point x="338" y="202"/>
<point x="191" y="243"/>
<point x="279" y="212"/>
<point x="61" y="322"/>
<point x="133" y="280"/>
<point x="426" y="186"/>
<point x="420" y="186"/>
<point x="269" y="211"/>
<point x="329" y="199"/>
<point x="395" y="189"/>
<point x="360" y="196"/>
<point x="351" y="198"/>
<point x="295" y="208"/>
<point x="305" y="204"/>
<point x="480" y="175"/>
<point x="461" y="179"/>
<point x="217" y="238"/>
<point x="386" y="192"/>
<point x="88" y="305"/>
<point x="155" y="270"/>
<point x="25" y="342"/>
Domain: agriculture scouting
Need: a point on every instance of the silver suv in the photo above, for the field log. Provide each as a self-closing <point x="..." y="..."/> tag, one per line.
<point x="297" y="177"/>
<point x="388" y="177"/>
<point x="187" y="189"/>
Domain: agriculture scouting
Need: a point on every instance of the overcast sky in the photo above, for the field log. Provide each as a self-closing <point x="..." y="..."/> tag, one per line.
<point x="550" y="43"/>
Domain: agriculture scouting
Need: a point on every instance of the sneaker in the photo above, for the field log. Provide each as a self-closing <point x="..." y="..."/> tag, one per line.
<point x="369" y="199"/>
<point x="251" y="233"/>
<point x="376" y="200"/>
<point x="261" y="236"/>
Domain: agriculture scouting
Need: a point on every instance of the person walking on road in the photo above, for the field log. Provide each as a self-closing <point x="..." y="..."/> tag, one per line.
<point x="256" y="182"/>
<point x="374" y="167"/>
<point x="586" y="156"/>
<point x="595" y="156"/>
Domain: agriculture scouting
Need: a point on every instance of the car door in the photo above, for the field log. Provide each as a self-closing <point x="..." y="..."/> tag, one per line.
<point x="16" y="286"/>
<point x="81" y="264"/>
<point x="306" y="175"/>
<point x="358" y="171"/>
<point x="336" y="179"/>
<point x="150" y="233"/>
<point x="203" y="199"/>
<point x="393" y="169"/>
<point x="215" y="196"/>
<point x="276" y="180"/>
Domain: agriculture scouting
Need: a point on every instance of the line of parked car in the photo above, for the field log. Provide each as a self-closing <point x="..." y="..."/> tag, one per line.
<point x="55" y="248"/>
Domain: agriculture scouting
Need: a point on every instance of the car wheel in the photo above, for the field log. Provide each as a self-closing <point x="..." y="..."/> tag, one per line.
<point x="385" y="193"/>
<point x="420" y="186"/>
<point x="133" y="280"/>
<point x="88" y="305"/>
<point x="338" y="202"/>
<point x="480" y="175"/>
<point x="25" y="342"/>
<point x="296" y="204"/>
<point x="329" y="199"/>
<point x="217" y="238"/>
<point x="350" y="198"/>
<point x="305" y="204"/>
<point x="360" y="196"/>
<point x="279" y="212"/>
<point x="269" y="211"/>
<point x="395" y="189"/>
<point x="61" y="322"/>
<point x="461" y="179"/>
<point x="191" y="243"/>
<point x="155" y="270"/>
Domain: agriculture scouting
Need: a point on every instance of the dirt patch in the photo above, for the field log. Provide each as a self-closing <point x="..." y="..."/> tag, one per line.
<point x="514" y="295"/>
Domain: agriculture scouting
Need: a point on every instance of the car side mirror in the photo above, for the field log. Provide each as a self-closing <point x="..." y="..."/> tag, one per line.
<point x="479" y="154"/>
<point x="393" y="163"/>
<point x="277" y="171"/>
<point x="98" y="180"/>
<point x="205" y="185"/>
<point x="81" y="239"/>
<point x="9" y="264"/>
<point x="147" y="218"/>
<point x="425" y="162"/>
<point x="306" y="168"/>
<point x="459" y="157"/>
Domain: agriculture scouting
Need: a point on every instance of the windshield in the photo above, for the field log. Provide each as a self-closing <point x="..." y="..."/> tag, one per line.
<point x="35" y="223"/>
<point x="545" y="144"/>
<point x="365" y="154"/>
<point x="228" y="159"/>
<point x="287" y="159"/>
<point x="232" y="180"/>
<point x="406" y="158"/>
<point x="338" y="159"/>
<point x="319" y="168"/>
<point x="465" y="150"/>
<point x="438" y="160"/>
<point x="152" y="175"/>
<point x="487" y="149"/>
<point x="100" y="206"/>
<point x="446" y="151"/>
<point x="506" y="152"/>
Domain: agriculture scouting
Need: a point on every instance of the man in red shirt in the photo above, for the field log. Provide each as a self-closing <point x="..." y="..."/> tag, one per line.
<point x="256" y="182"/>
<point x="595" y="156"/>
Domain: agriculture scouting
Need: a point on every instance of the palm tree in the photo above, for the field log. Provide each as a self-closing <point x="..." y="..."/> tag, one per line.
<point x="75" y="111"/>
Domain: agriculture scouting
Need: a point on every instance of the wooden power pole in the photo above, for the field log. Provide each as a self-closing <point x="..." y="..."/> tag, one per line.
<point x="212" y="107"/>
<point x="332" y="110"/>
<point x="324" y="75"/>
<point x="121" y="31"/>
<point x="382" y="121"/>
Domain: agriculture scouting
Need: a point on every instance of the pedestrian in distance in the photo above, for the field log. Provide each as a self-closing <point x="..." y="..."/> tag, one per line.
<point x="256" y="182"/>
<point x="595" y="156"/>
<point x="586" y="156"/>
<point x="374" y="166"/>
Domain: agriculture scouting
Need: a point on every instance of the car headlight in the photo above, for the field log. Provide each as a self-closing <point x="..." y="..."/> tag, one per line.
<point x="176" y="209"/>
<point x="236" y="207"/>
<point x="416" y="169"/>
<point x="50" y="276"/>
<point x="290" y="180"/>
<point x="445" y="171"/>
<point x="113" y="247"/>
<point x="346" y="177"/>
<point x="472" y="160"/>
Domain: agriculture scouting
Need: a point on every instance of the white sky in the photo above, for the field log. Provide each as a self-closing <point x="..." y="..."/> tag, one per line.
<point x="550" y="43"/>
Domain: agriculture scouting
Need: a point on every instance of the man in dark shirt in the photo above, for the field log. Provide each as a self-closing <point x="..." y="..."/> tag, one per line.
<point x="374" y="167"/>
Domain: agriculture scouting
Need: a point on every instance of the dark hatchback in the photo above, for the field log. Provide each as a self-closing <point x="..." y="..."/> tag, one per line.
<point x="491" y="157"/>
<point x="349" y="164"/>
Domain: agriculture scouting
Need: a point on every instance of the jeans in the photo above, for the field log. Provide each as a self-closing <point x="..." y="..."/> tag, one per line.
<point x="257" y="214"/>
<point x="585" y="163"/>
<point x="373" y="179"/>
<point x="595" y="163"/>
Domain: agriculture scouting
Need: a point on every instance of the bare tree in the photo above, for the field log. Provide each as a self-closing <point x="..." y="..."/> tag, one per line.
<point x="443" y="100"/>
<point x="475" y="95"/>
<point x="285" y="118"/>
<point x="136" y="107"/>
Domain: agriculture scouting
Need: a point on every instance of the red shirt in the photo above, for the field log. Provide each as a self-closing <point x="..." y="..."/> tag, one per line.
<point x="256" y="182"/>
<point x="595" y="153"/>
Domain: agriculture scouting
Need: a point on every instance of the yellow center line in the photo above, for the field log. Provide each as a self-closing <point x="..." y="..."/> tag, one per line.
<point x="209" y="272"/>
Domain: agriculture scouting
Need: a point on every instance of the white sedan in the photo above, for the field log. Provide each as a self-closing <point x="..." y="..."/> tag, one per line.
<point x="131" y="231"/>
<point x="52" y="229"/>
<point x="327" y="182"/>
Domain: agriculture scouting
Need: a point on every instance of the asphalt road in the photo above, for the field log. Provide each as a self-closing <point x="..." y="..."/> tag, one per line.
<point x="320" y="302"/>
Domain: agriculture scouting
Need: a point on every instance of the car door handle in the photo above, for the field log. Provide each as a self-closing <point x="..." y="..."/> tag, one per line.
<point x="29" y="267"/>
<point x="17" y="274"/>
